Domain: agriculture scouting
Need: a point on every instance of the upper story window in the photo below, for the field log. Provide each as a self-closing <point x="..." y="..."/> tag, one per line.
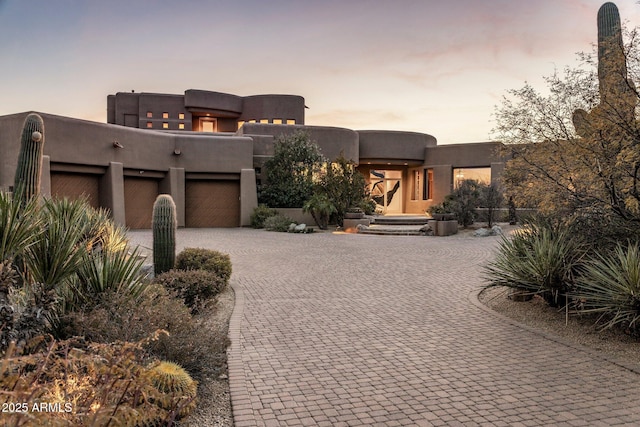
<point x="165" y="115"/>
<point x="180" y="126"/>
<point x="291" y="122"/>
<point x="149" y="124"/>
<point x="149" y="114"/>
<point x="165" y="125"/>
<point x="240" y="124"/>
<point x="264" y="120"/>
<point x="180" y="116"/>
<point x="277" y="121"/>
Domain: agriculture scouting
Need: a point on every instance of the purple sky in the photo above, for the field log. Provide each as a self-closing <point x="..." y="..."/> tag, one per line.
<point x="433" y="66"/>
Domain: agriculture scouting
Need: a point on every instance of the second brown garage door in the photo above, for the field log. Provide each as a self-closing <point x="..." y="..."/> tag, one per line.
<point x="139" y="196"/>
<point x="211" y="203"/>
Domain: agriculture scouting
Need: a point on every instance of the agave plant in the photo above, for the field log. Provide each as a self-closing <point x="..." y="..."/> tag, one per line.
<point x="610" y="285"/>
<point x="541" y="259"/>
<point x="102" y="233"/>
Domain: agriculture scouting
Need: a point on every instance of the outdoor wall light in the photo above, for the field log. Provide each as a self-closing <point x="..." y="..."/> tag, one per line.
<point x="177" y="152"/>
<point x="116" y="144"/>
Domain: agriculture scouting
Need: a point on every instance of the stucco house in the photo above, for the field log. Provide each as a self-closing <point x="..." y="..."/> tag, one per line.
<point x="208" y="149"/>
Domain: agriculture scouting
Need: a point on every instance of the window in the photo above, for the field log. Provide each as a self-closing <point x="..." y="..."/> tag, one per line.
<point x="165" y="125"/>
<point x="149" y="115"/>
<point x="291" y="122"/>
<point x="165" y="115"/>
<point x="264" y="120"/>
<point x="482" y="175"/>
<point x="240" y="124"/>
<point x="181" y="126"/>
<point x="277" y="121"/>
<point x="180" y="116"/>
<point x="416" y="193"/>
<point x="149" y="124"/>
<point x="427" y="190"/>
<point x="251" y="121"/>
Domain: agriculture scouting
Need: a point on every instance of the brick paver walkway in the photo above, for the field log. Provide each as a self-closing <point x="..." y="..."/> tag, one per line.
<point x="351" y="330"/>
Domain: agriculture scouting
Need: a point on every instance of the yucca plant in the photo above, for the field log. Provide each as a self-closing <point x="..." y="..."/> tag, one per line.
<point x="55" y="257"/>
<point x="103" y="271"/>
<point x="18" y="226"/>
<point x="541" y="259"/>
<point x="610" y="286"/>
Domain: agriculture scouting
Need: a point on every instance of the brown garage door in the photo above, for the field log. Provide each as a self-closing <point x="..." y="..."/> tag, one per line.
<point x="139" y="195"/>
<point x="212" y="203"/>
<point x="74" y="186"/>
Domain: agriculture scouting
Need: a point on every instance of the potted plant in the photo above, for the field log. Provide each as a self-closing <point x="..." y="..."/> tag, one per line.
<point x="354" y="213"/>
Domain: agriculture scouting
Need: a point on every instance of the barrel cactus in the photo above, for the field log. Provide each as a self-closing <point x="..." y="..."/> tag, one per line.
<point x="164" y="224"/>
<point x="29" y="169"/>
<point x="177" y="389"/>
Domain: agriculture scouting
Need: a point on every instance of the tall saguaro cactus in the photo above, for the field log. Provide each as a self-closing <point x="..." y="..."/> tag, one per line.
<point x="617" y="92"/>
<point x="164" y="223"/>
<point x="29" y="169"/>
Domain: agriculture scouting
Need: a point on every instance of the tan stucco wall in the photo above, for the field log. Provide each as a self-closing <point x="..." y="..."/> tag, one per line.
<point x="83" y="142"/>
<point x="83" y="146"/>
<point x="477" y="154"/>
<point x="270" y="107"/>
<point x="332" y="141"/>
<point x="204" y="100"/>
<point x="381" y="147"/>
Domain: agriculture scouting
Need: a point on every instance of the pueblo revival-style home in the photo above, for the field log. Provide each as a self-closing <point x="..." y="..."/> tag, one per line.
<point x="207" y="149"/>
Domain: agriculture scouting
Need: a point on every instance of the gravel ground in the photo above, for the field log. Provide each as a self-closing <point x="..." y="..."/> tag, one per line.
<point x="578" y="331"/>
<point x="214" y="404"/>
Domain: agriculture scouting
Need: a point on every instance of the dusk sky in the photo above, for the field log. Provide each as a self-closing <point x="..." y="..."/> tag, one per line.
<point x="433" y="66"/>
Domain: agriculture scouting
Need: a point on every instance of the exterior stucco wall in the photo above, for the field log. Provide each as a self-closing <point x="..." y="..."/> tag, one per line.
<point x="394" y="147"/>
<point x="204" y="100"/>
<point x="158" y="104"/>
<point x="331" y="140"/>
<point x="125" y="104"/>
<point x="82" y="146"/>
<point x="286" y="107"/>
<point x="479" y="154"/>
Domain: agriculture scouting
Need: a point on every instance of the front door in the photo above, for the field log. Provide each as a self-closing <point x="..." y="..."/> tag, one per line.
<point x="386" y="190"/>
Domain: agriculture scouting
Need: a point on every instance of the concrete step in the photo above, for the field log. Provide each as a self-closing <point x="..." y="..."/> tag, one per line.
<point x="393" y="230"/>
<point x="401" y="220"/>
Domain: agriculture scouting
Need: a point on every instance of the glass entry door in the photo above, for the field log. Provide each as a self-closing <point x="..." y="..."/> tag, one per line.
<point x="386" y="190"/>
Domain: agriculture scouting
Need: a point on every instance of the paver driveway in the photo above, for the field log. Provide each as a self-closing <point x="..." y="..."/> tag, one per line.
<point x="379" y="330"/>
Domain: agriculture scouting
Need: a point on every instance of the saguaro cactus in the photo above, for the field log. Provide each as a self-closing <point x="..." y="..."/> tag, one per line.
<point x="617" y="93"/>
<point x="29" y="170"/>
<point x="164" y="225"/>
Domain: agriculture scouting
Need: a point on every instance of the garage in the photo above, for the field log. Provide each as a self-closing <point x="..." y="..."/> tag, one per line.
<point x="212" y="203"/>
<point x="74" y="186"/>
<point x="139" y="196"/>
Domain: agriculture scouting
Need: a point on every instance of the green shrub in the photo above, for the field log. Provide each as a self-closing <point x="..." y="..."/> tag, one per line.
<point x="195" y="287"/>
<point x="278" y="223"/>
<point x="205" y="259"/>
<point x="260" y="215"/>
<point x="190" y="342"/>
<point x="610" y="286"/>
<point x="541" y="259"/>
